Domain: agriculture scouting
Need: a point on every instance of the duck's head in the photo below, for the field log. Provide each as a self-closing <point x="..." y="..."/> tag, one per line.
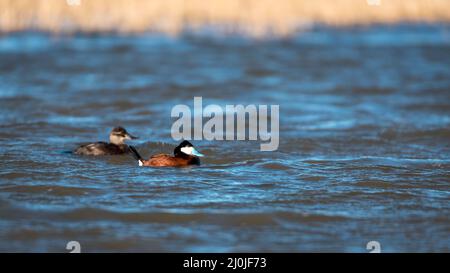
<point x="186" y="148"/>
<point x="118" y="135"/>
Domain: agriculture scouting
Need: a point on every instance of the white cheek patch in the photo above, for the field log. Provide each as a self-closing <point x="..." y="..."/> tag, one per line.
<point x="141" y="163"/>
<point x="187" y="150"/>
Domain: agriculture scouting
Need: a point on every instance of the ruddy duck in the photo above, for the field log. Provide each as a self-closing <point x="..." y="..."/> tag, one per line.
<point x="116" y="146"/>
<point x="184" y="154"/>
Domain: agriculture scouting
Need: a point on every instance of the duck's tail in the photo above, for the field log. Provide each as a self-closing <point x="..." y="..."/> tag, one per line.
<point x="136" y="155"/>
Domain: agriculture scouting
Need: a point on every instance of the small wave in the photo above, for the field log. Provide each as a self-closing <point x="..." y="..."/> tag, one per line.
<point x="50" y="190"/>
<point x="163" y="217"/>
<point x="275" y="166"/>
<point x="231" y="219"/>
<point x="393" y="134"/>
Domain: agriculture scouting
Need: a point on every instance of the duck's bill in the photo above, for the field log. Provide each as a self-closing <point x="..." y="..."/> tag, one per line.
<point x="128" y="136"/>
<point x="196" y="153"/>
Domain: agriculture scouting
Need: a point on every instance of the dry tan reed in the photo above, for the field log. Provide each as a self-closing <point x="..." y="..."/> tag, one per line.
<point x="255" y="17"/>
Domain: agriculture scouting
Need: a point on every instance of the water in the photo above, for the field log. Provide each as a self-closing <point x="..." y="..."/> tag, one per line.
<point x="364" y="142"/>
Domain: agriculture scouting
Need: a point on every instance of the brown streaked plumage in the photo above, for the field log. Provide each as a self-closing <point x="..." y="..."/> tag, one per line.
<point x="184" y="155"/>
<point x="115" y="146"/>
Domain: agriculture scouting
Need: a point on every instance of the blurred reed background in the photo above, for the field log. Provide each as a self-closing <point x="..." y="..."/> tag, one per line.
<point x="254" y="17"/>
